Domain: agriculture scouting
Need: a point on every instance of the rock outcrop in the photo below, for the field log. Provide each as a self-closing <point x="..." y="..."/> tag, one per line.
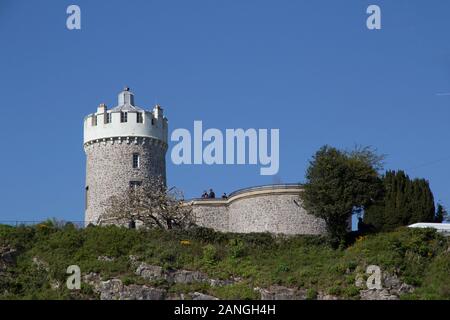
<point x="154" y="273"/>
<point x="392" y="289"/>
<point x="114" y="289"/>
<point x="201" y="296"/>
<point x="7" y="258"/>
<point x="282" y="293"/>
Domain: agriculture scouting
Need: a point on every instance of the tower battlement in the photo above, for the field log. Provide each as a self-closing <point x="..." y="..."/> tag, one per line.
<point x="125" y="120"/>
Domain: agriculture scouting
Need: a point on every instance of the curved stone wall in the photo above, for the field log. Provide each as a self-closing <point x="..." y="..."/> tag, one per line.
<point x="274" y="208"/>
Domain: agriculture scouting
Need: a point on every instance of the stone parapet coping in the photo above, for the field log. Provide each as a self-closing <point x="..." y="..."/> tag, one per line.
<point x="275" y="189"/>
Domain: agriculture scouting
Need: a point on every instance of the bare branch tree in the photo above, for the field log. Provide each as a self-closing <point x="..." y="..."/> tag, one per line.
<point x="151" y="204"/>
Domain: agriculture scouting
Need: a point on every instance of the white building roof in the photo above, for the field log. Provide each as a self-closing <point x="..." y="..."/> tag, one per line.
<point x="440" y="227"/>
<point x="126" y="102"/>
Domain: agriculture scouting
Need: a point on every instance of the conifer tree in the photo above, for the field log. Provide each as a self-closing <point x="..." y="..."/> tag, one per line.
<point x="441" y="214"/>
<point x="405" y="202"/>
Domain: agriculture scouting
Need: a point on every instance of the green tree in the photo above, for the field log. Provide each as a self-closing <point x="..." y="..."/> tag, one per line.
<point x="336" y="183"/>
<point x="441" y="214"/>
<point x="405" y="201"/>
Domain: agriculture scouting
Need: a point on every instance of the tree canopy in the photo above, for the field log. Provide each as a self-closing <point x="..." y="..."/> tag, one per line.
<point x="337" y="182"/>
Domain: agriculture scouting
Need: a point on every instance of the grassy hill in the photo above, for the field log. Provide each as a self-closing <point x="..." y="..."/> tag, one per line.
<point x="42" y="254"/>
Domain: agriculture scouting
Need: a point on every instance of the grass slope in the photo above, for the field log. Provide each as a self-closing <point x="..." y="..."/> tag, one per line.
<point x="420" y="257"/>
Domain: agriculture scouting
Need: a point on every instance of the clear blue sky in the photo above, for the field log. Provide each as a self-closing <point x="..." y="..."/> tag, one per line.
<point x="310" y="68"/>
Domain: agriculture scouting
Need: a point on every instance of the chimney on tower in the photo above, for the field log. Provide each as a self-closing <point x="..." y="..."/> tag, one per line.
<point x="158" y="111"/>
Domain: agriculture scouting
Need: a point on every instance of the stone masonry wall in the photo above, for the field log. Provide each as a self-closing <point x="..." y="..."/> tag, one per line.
<point x="109" y="169"/>
<point x="275" y="210"/>
<point x="212" y="216"/>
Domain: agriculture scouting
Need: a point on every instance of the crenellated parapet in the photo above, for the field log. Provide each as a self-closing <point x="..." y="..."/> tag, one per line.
<point x="125" y="120"/>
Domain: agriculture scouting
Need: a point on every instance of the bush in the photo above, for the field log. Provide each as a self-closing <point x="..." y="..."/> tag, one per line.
<point x="205" y="235"/>
<point x="238" y="291"/>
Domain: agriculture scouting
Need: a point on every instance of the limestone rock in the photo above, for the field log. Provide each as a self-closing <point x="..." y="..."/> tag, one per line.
<point x="324" y="296"/>
<point x="93" y="279"/>
<point x="187" y="277"/>
<point x="221" y="283"/>
<point x="105" y="258"/>
<point x="282" y="293"/>
<point x="55" y="284"/>
<point x="382" y="294"/>
<point x="392" y="288"/>
<point x="201" y="296"/>
<point x="7" y="258"/>
<point x="41" y="264"/>
<point x="114" y="289"/>
<point x="328" y="297"/>
<point x="150" y="272"/>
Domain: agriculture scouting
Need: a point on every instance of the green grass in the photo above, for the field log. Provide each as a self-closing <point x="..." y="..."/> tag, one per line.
<point x="420" y="257"/>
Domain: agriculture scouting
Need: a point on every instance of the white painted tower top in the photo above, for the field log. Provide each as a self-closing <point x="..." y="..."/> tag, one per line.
<point x="126" y="97"/>
<point x="125" y="120"/>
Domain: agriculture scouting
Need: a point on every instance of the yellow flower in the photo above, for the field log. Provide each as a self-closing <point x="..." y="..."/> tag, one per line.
<point x="185" y="242"/>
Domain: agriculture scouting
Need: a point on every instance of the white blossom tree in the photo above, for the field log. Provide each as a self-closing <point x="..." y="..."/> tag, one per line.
<point x="152" y="204"/>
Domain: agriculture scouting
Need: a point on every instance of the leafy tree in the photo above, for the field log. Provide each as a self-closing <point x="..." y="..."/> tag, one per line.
<point x="405" y="201"/>
<point x="337" y="182"/>
<point x="441" y="214"/>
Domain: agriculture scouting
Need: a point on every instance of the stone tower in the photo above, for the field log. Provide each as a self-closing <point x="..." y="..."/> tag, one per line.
<point x="124" y="146"/>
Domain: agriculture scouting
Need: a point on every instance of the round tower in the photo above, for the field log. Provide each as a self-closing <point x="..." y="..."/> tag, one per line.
<point x="124" y="147"/>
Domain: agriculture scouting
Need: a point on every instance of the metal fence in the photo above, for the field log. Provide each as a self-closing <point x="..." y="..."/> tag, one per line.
<point x="57" y="223"/>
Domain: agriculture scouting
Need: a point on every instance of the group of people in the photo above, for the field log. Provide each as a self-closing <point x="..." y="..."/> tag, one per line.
<point x="211" y="195"/>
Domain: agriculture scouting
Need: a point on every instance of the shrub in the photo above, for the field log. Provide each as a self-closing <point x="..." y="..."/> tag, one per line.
<point x="237" y="248"/>
<point x="209" y="254"/>
<point x="311" y="294"/>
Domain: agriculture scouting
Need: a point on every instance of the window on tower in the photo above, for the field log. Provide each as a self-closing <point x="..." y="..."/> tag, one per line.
<point x="108" y="117"/>
<point x="135" y="184"/>
<point x="94" y="120"/>
<point x="123" y="116"/>
<point x="136" y="161"/>
<point x="140" y="118"/>
<point x="86" y="200"/>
